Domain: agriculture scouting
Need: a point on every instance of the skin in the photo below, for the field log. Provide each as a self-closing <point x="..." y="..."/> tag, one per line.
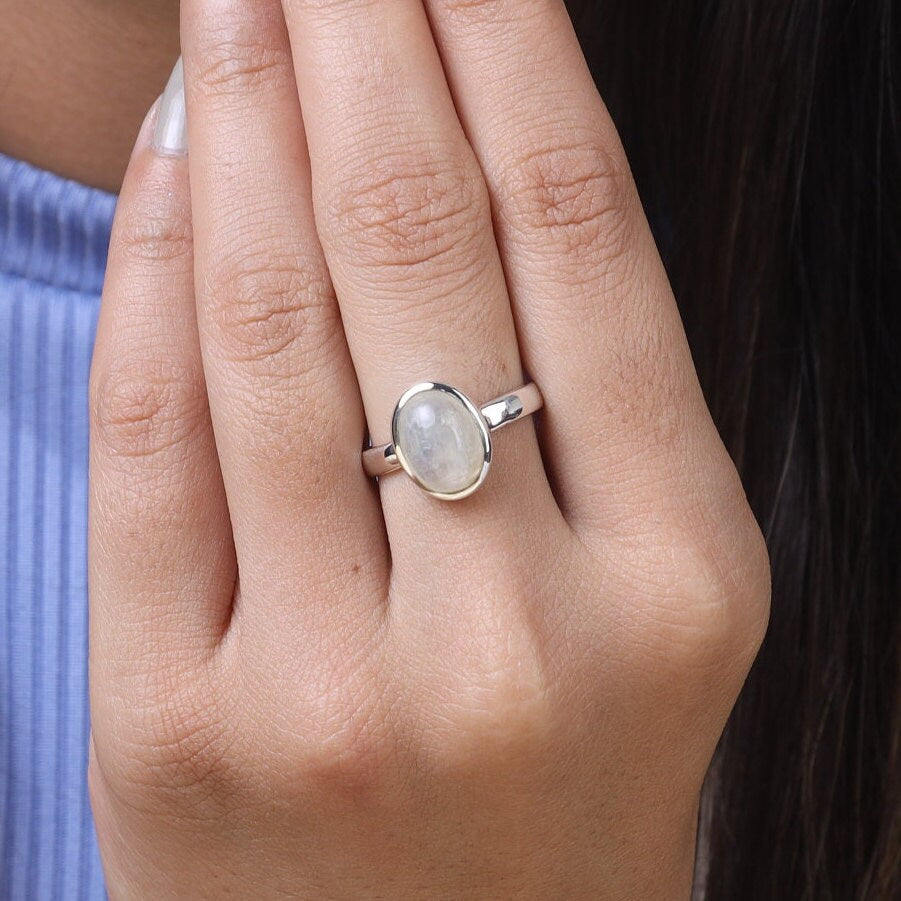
<point x="522" y="698"/>
<point x="77" y="77"/>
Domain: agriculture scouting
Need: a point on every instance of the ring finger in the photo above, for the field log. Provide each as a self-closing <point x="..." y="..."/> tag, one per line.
<point x="405" y="221"/>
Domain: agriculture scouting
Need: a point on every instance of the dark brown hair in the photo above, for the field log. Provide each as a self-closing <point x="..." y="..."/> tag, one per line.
<point x="765" y="138"/>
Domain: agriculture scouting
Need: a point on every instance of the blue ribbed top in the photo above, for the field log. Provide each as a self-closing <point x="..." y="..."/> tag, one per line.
<point x="53" y="243"/>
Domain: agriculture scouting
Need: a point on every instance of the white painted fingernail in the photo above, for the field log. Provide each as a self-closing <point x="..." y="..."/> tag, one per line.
<point x="170" y="136"/>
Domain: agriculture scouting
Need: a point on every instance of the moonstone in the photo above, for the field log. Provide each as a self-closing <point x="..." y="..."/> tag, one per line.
<point x="441" y="442"/>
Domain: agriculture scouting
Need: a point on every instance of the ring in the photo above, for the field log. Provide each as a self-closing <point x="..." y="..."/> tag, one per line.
<point x="442" y="440"/>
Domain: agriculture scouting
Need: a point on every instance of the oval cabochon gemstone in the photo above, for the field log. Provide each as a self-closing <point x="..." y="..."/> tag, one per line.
<point x="440" y="442"/>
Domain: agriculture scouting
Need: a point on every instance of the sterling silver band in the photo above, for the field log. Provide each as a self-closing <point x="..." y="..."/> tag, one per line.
<point x="501" y="411"/>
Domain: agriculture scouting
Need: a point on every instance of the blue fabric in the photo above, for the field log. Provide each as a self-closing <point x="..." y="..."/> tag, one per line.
<point x="53" y="243"/>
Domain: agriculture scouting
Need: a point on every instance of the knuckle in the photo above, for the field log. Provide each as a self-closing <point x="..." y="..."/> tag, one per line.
<point x="502" y="707"/>
<point x="180" y="749"/>
<point x="751" y="587"/>
<point x="171" y="752"/>
<point x="233" y="58"/>
<point x="710" y="618"/>
<point x="345" y="700"/>
<point x="260" y="306"/>
<point x="145" y="409"/>
<point x="346" y="759"/>
<point x="409" y="212"/>
<point x="735" y="590"/>
<point x="146" y="235"/>
<point x="491" y="13"/>
<point x="474" y="11"/>
<point x="350" y="744"/>
<point x="576" y="197"/>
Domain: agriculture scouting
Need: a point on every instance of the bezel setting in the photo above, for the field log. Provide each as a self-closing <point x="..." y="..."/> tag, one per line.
<point x="474" y="412"/>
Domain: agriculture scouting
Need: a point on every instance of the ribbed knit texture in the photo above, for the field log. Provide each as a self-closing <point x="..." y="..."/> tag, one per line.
<point x="53" y="244"/>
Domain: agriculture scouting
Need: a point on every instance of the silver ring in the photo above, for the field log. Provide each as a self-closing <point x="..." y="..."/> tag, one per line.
<point x="442" y="440"/>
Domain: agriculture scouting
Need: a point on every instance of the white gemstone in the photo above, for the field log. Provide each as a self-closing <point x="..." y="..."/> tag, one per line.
<point x="441" y="441"/>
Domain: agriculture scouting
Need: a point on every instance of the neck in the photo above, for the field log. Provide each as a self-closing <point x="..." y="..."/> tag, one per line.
<point x="77" y="78"/>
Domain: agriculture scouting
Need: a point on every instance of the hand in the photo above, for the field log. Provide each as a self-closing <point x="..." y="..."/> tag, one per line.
<point x="305" y="685"/>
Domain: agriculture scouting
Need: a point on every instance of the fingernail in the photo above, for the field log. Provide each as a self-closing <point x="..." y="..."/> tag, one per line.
<point x="170" y="135"/>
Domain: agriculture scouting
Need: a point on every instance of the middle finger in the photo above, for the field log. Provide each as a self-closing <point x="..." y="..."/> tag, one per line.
<point x="404" y="217"/>
<point x="274" y="355"/>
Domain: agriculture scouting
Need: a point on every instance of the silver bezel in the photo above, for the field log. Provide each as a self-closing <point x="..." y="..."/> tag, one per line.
<point x="474" y="412"/>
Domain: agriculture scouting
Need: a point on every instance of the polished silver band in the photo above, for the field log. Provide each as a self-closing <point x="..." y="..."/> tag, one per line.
<point x="487" y="418"/>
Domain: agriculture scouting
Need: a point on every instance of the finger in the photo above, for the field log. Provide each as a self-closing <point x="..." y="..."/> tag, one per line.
<point x="406" y="227"/>
<point x="285" y="405"/>
<point x="598" y="324"/>
<point x="162" y="561"/>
